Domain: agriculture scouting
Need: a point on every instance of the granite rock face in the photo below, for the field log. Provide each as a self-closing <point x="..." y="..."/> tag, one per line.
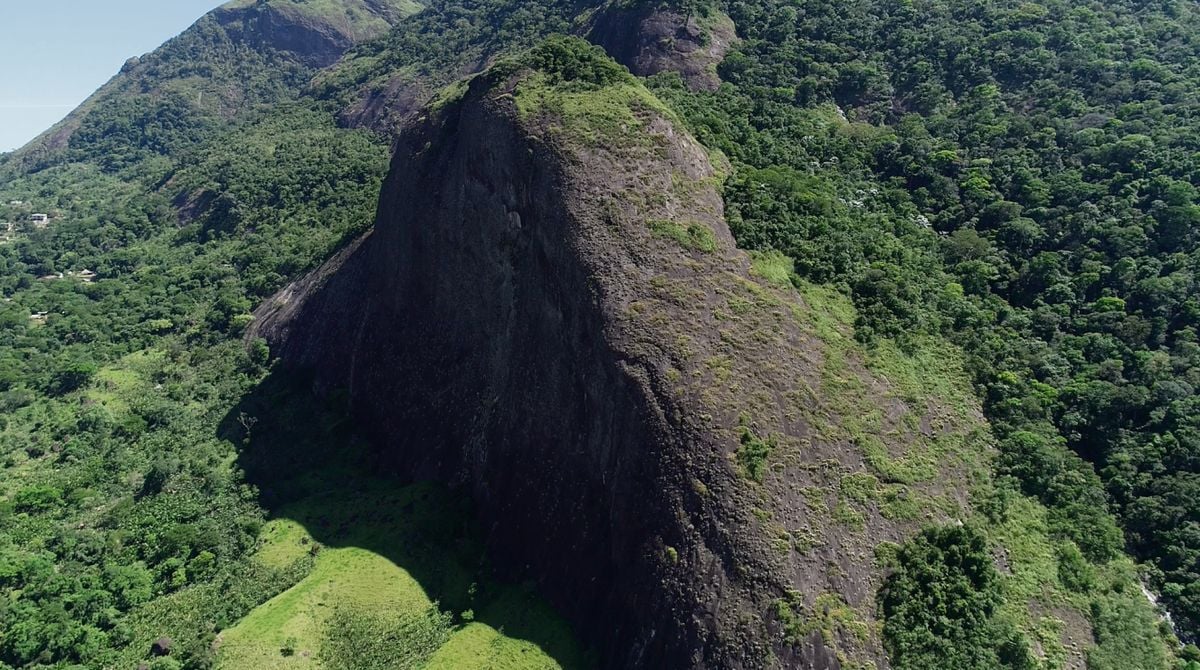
<point x="315" y="40"/>
<point x="649" y="41"/>
<point x="551" y="315"/>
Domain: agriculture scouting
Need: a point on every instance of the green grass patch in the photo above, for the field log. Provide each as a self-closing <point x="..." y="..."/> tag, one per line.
<point x="773" y="266"/>
<point x="480" y="646"/>
<point x="390" y="569"/>
<point x="931" y="368"/>
<point x="860" y="487"/>
<point x="917" y="465"/>
<point x="581" y="92"/>
<point x="846" y="514"/>
<point x="827" y="312"/>
<point x="839" y="625"/>
<point x="115" y="386"/>
<point x="693" y="236"/>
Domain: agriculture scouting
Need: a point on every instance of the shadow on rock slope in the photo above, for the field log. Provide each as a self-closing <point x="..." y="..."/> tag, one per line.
<point x="309" y="467"/>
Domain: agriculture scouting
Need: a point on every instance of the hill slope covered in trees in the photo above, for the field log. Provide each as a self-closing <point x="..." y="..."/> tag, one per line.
<point x="981" y="216"/>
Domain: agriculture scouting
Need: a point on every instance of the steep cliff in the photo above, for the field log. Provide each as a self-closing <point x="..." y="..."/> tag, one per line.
<point x="316" y="34"/>
<point x="705" y="458"/>
<point x="551" y="313"/>
<point x="650" y="39"/>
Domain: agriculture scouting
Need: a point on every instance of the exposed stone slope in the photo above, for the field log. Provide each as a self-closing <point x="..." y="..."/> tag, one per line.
<point x="552" y="314"/>
<point x="318" y="39"/>
<point x="649" y="40"/>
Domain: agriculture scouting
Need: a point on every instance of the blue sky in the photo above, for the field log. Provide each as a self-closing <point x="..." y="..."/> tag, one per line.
<point x="55" y="53"/>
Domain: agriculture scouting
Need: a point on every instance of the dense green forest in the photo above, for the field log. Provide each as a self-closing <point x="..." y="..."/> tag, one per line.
<point x="1018" y="178"/>
<point x="119" y="493"/>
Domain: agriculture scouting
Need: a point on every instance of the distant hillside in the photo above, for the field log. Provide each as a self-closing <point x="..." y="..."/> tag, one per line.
<point x="238" y="58"/>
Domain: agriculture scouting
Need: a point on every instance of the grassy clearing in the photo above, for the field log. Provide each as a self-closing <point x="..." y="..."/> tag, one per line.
<point x="341" y="577"/>
<point x="391" y="553"/>
<point x="114" y="386"/>
<point x="480" y="646"/>
<point x="925" y="384"/>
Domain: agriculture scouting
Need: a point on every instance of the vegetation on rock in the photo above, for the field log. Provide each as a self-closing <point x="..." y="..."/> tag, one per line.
<point x="1008" y="183"/>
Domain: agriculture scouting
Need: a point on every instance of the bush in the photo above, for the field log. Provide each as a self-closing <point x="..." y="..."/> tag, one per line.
<point x="36" y="499"/>
<point x="73" y="376"/>
<point x="939" y="606"/>
<point x="570" y="59"/>
<point x="1074" y="571"/>
<point x="753" y="453"/>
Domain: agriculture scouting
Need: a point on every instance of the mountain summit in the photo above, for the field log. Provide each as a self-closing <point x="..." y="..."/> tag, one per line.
<point x="551" y="312"/>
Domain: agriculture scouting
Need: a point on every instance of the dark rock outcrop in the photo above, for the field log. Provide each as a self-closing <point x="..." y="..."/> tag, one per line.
<point x="478" y="333"/>
<point x="162" y="647"/>
<point x="552" y="315"/>
<point x="648" y="41"/>
<point x="316" y="41"/>
<point x="387" y="107"/>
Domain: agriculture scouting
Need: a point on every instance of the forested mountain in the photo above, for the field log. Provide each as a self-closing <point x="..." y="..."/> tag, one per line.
<point x="695" y="333"/>
<point x="1053" y="148"/>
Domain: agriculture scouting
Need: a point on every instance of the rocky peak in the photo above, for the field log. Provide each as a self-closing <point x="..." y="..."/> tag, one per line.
<point x="551" y="314"/>
<point x="317" y="35"/>
<point x="649" y="40"/>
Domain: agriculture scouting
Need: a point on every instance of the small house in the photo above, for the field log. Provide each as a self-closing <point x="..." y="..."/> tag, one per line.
<point x="39" y="220"/>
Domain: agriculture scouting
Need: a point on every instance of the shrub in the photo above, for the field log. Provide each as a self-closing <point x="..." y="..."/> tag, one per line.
<point x="939" y="606"/>
<point x="570" y="59"/>
<point x="1074" y="571"/>
<point x="36" y="499"/>
<point x="753" y="453"/>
